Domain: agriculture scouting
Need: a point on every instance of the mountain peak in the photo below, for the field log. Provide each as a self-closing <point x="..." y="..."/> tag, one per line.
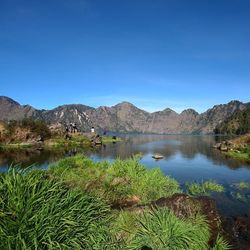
<point x="189" y="111"/>
<point x="124" y="104"/>
<point x="5" y="99"/>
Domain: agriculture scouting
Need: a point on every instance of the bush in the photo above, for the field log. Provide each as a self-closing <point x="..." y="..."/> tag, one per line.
<point x="38" y="127"/>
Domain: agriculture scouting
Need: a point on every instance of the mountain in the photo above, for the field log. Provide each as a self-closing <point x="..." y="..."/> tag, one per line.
<point x="125" y="117"/>
<point x="12" y="110"/>
<point x="238" y="123"/>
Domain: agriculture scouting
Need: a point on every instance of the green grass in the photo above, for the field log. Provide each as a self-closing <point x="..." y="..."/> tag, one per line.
<point x="242" y="153"/>
<point x="116" y="181"/>
<point x="221" y="244"/>
<point x="160" y="229"/>
<point x="36" y="213"/>
<point x="242" y="185"/>
<point x="66" y="208"/>
<point x="108" y="139"/>
<point x="204" y="188"/>
<point x="15" y="146"/>
<point x="60" y="141"/>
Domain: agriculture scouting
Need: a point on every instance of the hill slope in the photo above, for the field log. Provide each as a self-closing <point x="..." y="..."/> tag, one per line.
<point x="125" y="117"/>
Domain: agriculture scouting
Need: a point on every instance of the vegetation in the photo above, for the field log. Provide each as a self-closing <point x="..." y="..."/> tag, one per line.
<point x="243" y="185"/>
<point x="161" y="229"/>
<point x="204" y="188"/>
<point x="117" y="181"/>
<point x="221" y="244"/>
<point x="238" y="123"/>
<point x="28" y="132"/>
<point x="75" y="140"/>
<point x="38" y="127"/>
<point x="241" y="153"/>
<point x="36" y="213"/>
<point x="67" y="207"/>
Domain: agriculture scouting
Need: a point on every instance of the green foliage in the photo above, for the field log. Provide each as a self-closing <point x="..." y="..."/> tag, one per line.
<point x="36" y="213"/>
<point x="238" y="123"/>
<point x="160" y="229"/>
<point x="119" y="180"/>
<point x="221" y="244"/>
<point x="48" y="210"/>
<point x="204" y="188"/>
<point x="241" y="153"/>
<point x="37" y="127"/>
<point x="242" y="185"/>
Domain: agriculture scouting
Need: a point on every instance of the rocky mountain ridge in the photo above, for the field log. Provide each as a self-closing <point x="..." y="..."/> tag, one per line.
<point x="125" y="117"/>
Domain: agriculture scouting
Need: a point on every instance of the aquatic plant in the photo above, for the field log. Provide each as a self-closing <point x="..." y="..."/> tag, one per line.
<point x="36" y="213"/>
<point x="119" y="180"/>
<point x="242" y="185"/>
<point x="204" y="188"/>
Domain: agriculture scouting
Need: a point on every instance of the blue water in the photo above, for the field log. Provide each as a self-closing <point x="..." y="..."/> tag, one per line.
<point x="186" y="158"/>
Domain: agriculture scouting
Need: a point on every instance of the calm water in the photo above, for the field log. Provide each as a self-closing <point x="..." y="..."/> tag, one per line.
<point x="186" y="158"/>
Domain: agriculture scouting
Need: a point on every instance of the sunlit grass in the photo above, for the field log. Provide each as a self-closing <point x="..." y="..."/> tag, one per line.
<point x="36" y="213"/>
<point x="119" y="180"/>
<point x="204" y="188"/>
<point x="160" y="229"/>
<point x="241" y="153"/>
<point x="221" y="244"/>
<point x="59" y="209"/>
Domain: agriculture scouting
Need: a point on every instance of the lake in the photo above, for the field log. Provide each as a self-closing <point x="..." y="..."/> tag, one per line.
<point x="187" y="158"/>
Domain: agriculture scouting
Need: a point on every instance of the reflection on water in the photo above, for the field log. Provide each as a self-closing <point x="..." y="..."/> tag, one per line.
<point x="186" y="158"/>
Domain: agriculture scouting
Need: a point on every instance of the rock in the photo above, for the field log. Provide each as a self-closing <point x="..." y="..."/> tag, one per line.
<point x="224" y="148"/>
<point x="125" y="203"/>
<point x="157" y="157"/>
<point x="217" y="145"/>
<point x="237" y="231"/>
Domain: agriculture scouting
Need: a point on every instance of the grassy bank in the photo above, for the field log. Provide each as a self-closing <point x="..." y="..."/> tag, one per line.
<point x="15" y="146"/>
<point x="68" y="207"/>
<point x="241" y="153"/>
<point x="119" y="181"/>
<point x="55" y="142"/>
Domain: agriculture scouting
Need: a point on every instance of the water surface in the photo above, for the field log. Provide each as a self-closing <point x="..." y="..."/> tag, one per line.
<point x="186" y="158"/>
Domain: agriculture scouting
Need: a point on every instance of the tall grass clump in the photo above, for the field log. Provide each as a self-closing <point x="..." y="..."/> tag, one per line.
<point x="160" y="229"/>
<point x="121" y="179"/>
<point x="204" y="188"/>
<point x="37" y="213"/>
<point x="221" y="244"/>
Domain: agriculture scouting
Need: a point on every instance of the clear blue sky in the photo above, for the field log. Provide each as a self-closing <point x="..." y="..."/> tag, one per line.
<point x="155" y="54"/>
